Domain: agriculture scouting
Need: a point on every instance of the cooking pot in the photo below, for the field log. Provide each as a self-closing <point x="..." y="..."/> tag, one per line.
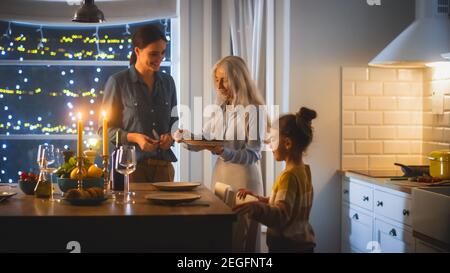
<point x="440" y="164"/>
<point x="413" y="170"/>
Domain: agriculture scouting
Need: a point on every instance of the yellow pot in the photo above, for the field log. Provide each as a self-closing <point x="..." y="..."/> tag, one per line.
<point x="440" y="164"/>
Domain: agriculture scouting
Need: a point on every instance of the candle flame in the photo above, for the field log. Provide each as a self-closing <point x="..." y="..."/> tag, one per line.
<point x="79" y="115"/>
<point x="104" y="114"/>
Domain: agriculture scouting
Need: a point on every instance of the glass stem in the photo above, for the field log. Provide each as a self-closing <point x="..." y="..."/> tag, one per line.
<point x="126" y="190"/>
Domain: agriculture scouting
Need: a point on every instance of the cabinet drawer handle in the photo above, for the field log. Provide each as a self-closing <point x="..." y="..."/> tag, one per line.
<point x="393" y="232"/>
<point x="365" y="198"/>
<point x="355" y="216"/>
<point x="406" y="212"/>
<point x="345" y="191"/>
<point x="379" y="203"/>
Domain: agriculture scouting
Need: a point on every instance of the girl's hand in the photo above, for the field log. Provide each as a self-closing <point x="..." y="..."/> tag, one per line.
<point x="242" y="193"/>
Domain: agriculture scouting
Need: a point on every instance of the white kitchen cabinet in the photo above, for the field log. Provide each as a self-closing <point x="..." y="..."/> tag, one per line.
<point x="375" y="218"/>
<point x="393" y="238"/>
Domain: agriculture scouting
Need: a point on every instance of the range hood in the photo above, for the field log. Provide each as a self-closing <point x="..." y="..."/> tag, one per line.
<point x="426" y="42"/>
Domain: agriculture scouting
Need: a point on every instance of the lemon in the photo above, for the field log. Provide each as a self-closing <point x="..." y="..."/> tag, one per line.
<point x="94" y="171"/>
<point x="74" y="173"/>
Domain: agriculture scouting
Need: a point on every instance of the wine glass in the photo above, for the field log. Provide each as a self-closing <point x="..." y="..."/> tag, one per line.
<point x="48" y="159"/>
<point x="126" y="164"/>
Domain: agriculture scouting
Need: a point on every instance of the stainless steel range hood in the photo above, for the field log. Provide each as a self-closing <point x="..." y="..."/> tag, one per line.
<point x="426" y="42"/>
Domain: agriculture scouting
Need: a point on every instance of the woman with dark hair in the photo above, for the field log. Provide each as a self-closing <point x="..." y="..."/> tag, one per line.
<point x="286" y="211"/>
<point x="139" y="103"/>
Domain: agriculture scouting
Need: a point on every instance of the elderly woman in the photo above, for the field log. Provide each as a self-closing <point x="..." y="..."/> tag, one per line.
<point x="236" y="120"/>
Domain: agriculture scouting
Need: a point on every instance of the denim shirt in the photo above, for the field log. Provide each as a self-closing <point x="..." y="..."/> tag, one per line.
<point x="132" y="108"/>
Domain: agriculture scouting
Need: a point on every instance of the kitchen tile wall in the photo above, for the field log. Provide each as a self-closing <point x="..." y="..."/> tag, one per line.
<point x="436" y="128"/>
<point x="387" y="118"/>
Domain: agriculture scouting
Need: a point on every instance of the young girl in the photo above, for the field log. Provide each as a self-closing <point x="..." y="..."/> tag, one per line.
<point x="286" y="211"/>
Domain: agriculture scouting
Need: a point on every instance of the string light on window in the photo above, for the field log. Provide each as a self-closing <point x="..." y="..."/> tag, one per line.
<point x="66" y="147"/>
<point x="20" y="71"/>
<point x="96" y="79"/>
<point x="91" y="112"/>
<point x="63" y="72"/>
<point x="98" y="69"/>
<point x="4" y="146"/>
<point x="4" y="158"/>
<point x="17" y="86"/>
<point x="92" y="101"/>
<point x="25" y="80"/>
<point x="6" y="108"/>
<point x="9" y="117"/>
<point x="71" y="71"/>
<point x="39" y="118"/>
<point x="70" y="105"/>
<point x="71" y="81"/>
<point x="92" y="90"/>
<point x="3" y="52"/>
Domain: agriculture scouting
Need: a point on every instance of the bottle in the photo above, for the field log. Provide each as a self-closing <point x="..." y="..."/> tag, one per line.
<point x="43" y="187"/>
<point x="117" y="179"/>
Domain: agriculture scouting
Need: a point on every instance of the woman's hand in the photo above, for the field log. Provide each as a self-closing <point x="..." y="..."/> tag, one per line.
<point x="166" y="141"/>
<point x="218" y="150"/>
<point x="180" y="135"/>
<point x="146" y="143"/>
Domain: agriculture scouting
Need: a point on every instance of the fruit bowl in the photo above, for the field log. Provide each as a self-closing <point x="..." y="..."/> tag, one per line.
<point x="66" y="184"/>
<point x="27" y="186"/>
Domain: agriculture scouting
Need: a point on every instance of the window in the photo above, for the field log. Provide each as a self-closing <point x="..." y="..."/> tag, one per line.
<point x="47" y="75"/>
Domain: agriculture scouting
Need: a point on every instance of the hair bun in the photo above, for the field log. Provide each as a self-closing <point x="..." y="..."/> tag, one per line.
<point x="306" y="115"/>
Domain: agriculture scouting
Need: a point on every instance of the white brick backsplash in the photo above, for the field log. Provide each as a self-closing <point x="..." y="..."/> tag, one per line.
<point x="410" y="75"/>
<point x="348" y="147"/>
<point x="387" y="118"/>
<point x="416" y="147"/>
<point x="382" y="132"/>
<point x="369" y="89"/>
<point x="411" y="159"/>
<point x="397" y="89"/>
<point x="417" y="89"/>
<point x="382" y="74"/>
<point x="447" y="103"/>
<point x="355" y="74"/>
<point x="397" y="118"/>
<point x="427" y="119"/>
<point x="364" y="118"/>
<point x="410" y="103"/>
<point x="396" y="147"/>
<point x="355" y="162"/>
<point x="348" y="118"/>
<point x="355" y="132"/>
<point x="429" y="147"/>
<point x="382" y="162"/>
<point x="435" y="134"/>
<point x="355" y="103"/>
<point x="369" y="147"/>
<point x="442" y="86"/>
<point x="348" y="88"/>
<point x="383" y="103"/>
<point x="446" y="134"/>
<point x="427" y="102"/>
<point x="409" y="132"/>
<point x="442" y="120"/>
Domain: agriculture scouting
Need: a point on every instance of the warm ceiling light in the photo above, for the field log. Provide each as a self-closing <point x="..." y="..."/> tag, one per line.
<point x="88" y="13"/>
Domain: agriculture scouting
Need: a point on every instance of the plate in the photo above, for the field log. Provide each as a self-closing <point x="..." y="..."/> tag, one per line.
<point x="86" y="202"/>
<point x="204" y="142"/>
<point x="172" y="198"/>
<point x="175" y="186"/>
<point x="5" y="195"/>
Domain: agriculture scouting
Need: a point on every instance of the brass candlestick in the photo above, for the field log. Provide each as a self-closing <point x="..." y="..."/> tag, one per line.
<point x="106" y="179"/>
<point x="80" y="172"/>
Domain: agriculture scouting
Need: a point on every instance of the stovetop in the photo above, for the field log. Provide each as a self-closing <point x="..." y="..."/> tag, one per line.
<point x="379" y="173"/>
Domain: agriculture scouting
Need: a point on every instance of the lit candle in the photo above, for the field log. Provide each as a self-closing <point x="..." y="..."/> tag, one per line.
<point x="105" y="135"/>
<point x="80" y="136"/>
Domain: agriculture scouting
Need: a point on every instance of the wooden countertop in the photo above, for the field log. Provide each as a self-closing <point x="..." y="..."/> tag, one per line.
<point x="22" y="205"/>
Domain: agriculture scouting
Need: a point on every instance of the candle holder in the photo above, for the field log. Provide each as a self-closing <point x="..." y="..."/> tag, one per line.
<point x="80" y="172"/>
<point x="106" y="179"/>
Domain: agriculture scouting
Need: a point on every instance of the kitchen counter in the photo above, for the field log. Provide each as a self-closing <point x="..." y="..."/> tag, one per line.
<point x="383" y="179"/>
<point x="35" y="225"/>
